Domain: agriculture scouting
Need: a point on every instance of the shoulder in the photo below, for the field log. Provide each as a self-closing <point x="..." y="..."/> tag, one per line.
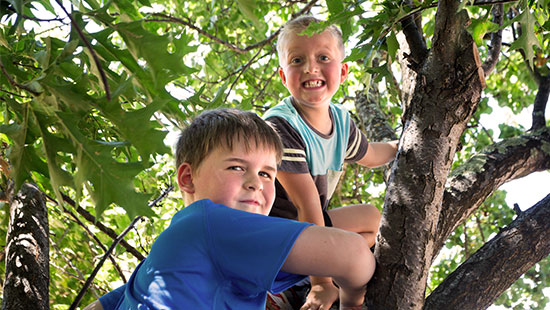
<point x="340" y="113"/>
<point x="283" y="109"/>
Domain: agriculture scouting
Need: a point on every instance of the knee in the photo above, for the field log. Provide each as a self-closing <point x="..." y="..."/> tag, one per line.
<point x="372" y="213"/>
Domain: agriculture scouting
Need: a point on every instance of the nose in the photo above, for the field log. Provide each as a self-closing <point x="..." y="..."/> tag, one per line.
<point x="311" y="66"/>
<point x="254" y="183"/>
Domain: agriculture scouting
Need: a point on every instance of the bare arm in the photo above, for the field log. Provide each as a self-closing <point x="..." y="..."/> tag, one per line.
<point x="379" y="153"/>
<point x="332" y="252"/>
<point x="304" y="195"/>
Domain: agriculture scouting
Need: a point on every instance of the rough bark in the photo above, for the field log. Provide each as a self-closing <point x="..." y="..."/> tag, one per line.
<point x="496" y="40"/>
<point x="27" y="248"/>
<point x="510" y="254"/>
<point x="539" y="107"/>
<point x="448" y="90"/>
<point x="371" y="118"/>
<point x="470" y="184"/>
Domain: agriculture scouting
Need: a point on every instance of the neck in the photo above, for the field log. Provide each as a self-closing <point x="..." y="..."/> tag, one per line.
<point x="317" y="118"/>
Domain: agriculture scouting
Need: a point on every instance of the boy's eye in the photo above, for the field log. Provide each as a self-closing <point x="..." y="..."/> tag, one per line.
<point x="265" y="174"/>
<point x="324" y="58"/>
<point x="236" y="168"/>
<point x="295" y="60"/>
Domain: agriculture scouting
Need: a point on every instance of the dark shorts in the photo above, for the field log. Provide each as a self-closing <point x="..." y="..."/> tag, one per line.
<point x="326" y="217"/>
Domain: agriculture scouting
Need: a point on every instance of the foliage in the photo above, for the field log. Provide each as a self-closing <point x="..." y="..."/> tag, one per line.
<point x="87" y="103"/>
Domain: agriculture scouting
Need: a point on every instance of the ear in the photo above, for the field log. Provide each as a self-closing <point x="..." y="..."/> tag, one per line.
<point x="282" y="75"/>
<point x="344" y="72"/>
<point x="185" y="178"/>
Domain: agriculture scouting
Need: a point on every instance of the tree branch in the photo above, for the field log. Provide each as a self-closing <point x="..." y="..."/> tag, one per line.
<point x="496" y="40"/>
<point x="498" y="264"/>
<point x="231" y="46"/>
<point x="539" y="107"/>
<point x="470" y="184"/>
<point x="98" y="242"/>
<point x="108" y="231"/>
<point x="14" y="83"/>
<point x="415" y="38"/>
<point x="120" y="237"/>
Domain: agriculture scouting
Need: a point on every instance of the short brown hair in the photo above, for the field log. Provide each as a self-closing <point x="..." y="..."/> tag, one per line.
<point x="299" y="24"/>
<point x="222" y="128"/>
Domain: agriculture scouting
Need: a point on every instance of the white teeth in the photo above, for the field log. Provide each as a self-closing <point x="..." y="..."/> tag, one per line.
<point x="316" y="83"/>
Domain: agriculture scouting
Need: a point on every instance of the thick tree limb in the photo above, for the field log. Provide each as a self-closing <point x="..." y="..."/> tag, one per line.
<point x="496" y="40"/>
<point x="27" y="248"/>
<point x="470" y="184"/>
<point x="371" y="117"/>
<point x="500" y="262"/>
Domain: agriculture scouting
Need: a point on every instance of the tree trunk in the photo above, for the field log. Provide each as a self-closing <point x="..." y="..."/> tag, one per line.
<point x="27" y="252"/>
<point x="448" y="90"/>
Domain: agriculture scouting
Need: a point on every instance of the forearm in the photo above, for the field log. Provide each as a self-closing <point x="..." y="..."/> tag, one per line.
<point x="310" y="213"/>
<point x="379" y="153"/>
<point x="351" y="299"/>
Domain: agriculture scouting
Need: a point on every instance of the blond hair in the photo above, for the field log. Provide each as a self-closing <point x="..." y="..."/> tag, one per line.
<point x="299" y="24"/>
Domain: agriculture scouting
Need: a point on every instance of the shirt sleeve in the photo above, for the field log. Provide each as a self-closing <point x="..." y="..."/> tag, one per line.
<point x="111" y="300"/>
<point x="294" y="148"/>
<point x="357" y="144"/>
<point x="250" y="248"/>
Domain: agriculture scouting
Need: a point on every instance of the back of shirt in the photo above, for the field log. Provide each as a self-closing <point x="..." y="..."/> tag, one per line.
<point x="213" y="257"/>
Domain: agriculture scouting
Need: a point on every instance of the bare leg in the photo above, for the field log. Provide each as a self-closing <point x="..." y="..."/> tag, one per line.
<point x="362" y="219"/>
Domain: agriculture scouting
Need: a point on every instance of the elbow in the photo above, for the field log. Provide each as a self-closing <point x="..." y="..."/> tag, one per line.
<point x="361" y="264"/>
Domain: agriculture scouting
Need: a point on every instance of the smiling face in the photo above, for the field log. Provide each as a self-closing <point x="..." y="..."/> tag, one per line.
<point x="241" y="178"/>
<point x="312" y="68"/>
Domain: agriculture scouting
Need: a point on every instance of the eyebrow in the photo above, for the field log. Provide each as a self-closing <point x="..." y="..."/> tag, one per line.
<point x="240" y="160"/>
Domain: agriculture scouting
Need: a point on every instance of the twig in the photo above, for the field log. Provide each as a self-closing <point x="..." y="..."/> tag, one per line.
<point x="91" y="234"/>
<point x="241" y="73"/>
<point x="90" y="218"/>
<point x="90" y="48"/>
<point x="14" y="83"/>
<point x="112" y="248"/>
<point x="231" y="46"/>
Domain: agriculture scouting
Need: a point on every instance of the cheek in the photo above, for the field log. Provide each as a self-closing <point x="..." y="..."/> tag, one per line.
<point x="269" y="192"/>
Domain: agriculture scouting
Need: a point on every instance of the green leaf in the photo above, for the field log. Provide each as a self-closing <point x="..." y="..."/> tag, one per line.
<point x="137" y="127"/>
<point x="528" y="38"/>
<point x="393" y="45"/>
<point x="247" y="7"/>
<point x="162" y="65"/>
<point x="479" y="27"/>
<point x="111" y="181"/>
<point x="335" y="6"/>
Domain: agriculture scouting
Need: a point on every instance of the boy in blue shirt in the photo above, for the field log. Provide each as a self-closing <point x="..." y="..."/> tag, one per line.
<point x="222" y="251"/>
<point x="318" y="137"/>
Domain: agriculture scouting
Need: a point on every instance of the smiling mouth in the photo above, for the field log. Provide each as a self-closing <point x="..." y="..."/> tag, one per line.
<point x="251" y="202"/>
<point x="313" y="84"/>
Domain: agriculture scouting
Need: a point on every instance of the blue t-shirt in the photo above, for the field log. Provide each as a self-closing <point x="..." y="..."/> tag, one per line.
<point x="211" y="257"/>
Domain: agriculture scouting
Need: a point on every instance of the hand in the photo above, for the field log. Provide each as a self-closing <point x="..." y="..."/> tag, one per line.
<point x="321" y="297"/>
